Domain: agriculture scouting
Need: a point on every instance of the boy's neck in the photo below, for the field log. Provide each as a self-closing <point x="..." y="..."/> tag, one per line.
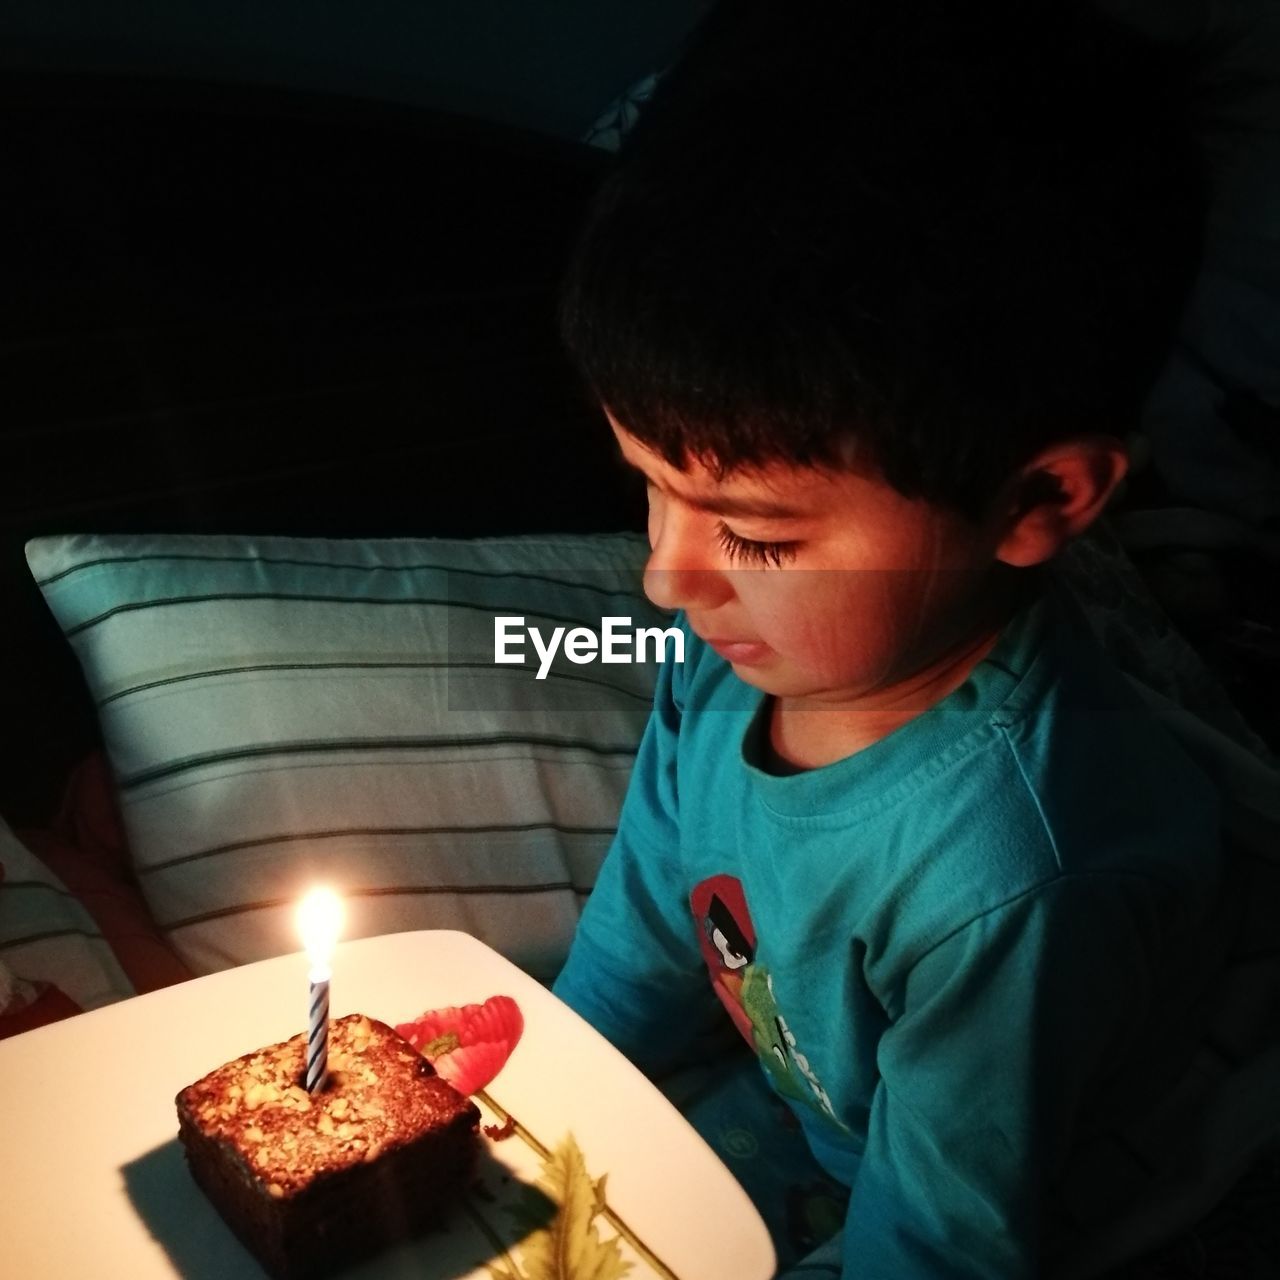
<point x="804" y="735"/>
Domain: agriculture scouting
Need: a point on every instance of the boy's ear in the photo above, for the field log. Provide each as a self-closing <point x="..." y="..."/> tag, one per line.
<point x="1057" y="496"/>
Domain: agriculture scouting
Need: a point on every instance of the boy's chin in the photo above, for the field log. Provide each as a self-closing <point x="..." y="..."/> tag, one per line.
<point x="812" y="691"/>
<point x="777" y="680"/>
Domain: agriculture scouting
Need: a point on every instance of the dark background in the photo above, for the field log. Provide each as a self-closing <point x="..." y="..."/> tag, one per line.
<point x="228" y="308"/>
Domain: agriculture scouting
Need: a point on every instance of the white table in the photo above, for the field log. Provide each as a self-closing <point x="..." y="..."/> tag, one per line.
<point x="95" y="1183"/>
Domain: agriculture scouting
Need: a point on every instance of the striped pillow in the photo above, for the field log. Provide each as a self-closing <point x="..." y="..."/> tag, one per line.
<point x="281" y="711"/>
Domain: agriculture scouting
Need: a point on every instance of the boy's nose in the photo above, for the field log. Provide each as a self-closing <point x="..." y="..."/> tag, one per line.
<point x="680" y="573"/>
<point x="673" y="588"/>
<point x="673" y="579"/>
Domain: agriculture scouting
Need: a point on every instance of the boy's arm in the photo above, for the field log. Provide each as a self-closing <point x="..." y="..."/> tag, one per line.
<point x="1007" y="1026"/>
<point x="634" y="970"/>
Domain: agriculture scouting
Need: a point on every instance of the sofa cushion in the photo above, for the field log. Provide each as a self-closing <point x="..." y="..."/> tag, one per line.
<point x="283" y="711"/>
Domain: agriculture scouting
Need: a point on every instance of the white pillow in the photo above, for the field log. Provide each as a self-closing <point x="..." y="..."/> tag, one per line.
<point x="281" y="711"/>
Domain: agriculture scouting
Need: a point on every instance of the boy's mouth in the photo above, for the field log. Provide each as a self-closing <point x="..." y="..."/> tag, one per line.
<point x="740" y="652"/>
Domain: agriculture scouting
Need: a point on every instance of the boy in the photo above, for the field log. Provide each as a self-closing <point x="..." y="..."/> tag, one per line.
<point x="869" y="301"/>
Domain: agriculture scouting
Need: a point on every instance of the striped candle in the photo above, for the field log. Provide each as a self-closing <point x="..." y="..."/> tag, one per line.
<point x="320" y="922"/>
<point x="318" y="1032"/>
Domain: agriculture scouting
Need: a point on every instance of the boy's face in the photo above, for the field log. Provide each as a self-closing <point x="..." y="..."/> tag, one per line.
<point x="825" y="587"/>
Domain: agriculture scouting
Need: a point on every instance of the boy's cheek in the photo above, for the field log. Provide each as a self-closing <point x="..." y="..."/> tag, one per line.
<point x="853" y="626"/>
<point x="655" y="516"/>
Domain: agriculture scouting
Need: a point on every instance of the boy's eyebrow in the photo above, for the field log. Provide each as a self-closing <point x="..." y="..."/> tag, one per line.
<point x="760" y="508"/>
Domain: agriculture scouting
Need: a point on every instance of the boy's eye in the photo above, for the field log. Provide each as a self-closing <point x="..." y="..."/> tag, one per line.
<point x="759" y="553"/>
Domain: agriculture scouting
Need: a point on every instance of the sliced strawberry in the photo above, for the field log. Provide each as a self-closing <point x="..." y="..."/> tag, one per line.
<point x="467" y="1044"/>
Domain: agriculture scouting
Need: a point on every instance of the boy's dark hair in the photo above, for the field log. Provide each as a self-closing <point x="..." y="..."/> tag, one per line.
<point x="927" y="236"/>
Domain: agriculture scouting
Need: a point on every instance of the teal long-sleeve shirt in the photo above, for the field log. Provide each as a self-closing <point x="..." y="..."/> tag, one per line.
<point x="969" y="956"/>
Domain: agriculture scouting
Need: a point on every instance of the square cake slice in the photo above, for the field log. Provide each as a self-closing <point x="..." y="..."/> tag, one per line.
<point x="310" y="1182"/>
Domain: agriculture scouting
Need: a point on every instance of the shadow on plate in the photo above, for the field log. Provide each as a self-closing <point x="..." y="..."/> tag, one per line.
<point x="201" y="1246"/>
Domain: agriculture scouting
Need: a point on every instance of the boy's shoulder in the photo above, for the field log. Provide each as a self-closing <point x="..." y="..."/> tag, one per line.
<point x="1115" y="789"/>
<point x="1045" y="764"/>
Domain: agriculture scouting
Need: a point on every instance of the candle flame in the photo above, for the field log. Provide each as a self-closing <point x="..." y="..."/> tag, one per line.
<point x="320" y="923"/>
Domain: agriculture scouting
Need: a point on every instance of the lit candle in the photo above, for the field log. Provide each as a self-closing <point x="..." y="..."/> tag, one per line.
<point x="319" y="922"/>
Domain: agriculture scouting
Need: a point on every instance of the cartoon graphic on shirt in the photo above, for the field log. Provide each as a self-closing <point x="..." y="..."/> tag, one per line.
<point x="728" y="943"/>
<point x="727" y="939"/>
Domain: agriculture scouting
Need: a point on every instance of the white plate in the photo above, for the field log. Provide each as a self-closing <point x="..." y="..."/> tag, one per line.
<point x="96" y="1185"/>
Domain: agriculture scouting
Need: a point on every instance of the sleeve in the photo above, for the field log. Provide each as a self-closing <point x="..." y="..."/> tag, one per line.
<point x="1006" y="1027"/>
<point x="634" y="970"/>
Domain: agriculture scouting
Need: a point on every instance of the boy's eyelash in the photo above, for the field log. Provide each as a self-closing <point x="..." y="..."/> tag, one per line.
<point x="759" y="553"/>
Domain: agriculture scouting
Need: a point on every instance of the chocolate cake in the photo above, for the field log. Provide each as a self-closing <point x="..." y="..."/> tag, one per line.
<point x="313" y="1181"/>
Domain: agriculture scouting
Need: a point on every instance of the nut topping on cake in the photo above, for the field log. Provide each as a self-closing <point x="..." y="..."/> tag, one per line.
<point x="309" y="1181"/>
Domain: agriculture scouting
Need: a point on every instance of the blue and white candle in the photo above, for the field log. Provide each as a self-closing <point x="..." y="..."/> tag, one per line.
<point x="318" y="1032"/>
<point x="320" y="922"/>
